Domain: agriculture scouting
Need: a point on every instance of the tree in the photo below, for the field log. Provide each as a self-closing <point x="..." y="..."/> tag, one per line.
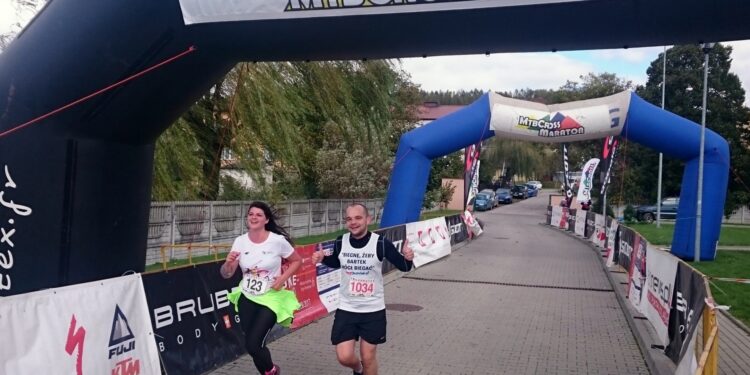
<point x="725" y="114"/>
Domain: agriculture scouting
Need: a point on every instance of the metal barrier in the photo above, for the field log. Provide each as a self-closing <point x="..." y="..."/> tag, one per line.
<point x="173" y="223"/>
<point x="709" y="358"/>
<point x="190" y="248"/>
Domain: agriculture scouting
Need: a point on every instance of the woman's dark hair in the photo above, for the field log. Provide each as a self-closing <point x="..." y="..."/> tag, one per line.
<point x="271" y="225"/>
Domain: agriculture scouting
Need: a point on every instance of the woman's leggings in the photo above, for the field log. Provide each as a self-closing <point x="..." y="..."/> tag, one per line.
<point x="256" y="321"/>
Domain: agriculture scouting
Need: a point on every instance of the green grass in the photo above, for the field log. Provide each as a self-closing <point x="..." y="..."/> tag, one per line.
<point x="730" y="264"/>
<point x="730" y="236"/>
<point x="438" y="213"/>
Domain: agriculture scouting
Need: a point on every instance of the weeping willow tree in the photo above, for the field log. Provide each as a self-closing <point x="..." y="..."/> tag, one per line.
<point x="519" y="158"/>
<point x="280" y="117"/>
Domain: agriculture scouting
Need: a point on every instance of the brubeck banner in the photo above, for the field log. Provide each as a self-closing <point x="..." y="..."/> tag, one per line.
<point x="196" y="326"/>
<point x="430" y="240"/>
<point x="397" y="235"/>
<point x="100" y="327"/>
<point x="613" y="241"/>
<point x="568" y="189"/>
<point x="198" y="11"/>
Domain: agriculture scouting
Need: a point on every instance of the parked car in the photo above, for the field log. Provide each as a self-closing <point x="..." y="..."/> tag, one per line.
<point x="483" y="202"/>
<point x="537" y="185"/>
<point x="520" y="191"/>
<point x="503" y="195"/>
<point x="492" y="195"/>
<point x="668" y="210"/>
<point x="532" y="190"/>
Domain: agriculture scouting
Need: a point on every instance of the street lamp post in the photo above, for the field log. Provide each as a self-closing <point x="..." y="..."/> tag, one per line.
<point x="661" y="155"/>
<point x="699" y="202"/>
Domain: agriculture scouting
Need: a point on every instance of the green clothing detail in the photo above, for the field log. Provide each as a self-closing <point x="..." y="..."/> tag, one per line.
<point x="282" y="302"/>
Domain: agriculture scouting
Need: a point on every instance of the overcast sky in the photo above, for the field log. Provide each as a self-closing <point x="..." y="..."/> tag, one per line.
<point x="506" y="72"/>
<point x="546" y="70"/>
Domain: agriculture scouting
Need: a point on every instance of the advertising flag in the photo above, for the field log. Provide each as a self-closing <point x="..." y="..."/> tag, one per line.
<point x="587" y="180"/>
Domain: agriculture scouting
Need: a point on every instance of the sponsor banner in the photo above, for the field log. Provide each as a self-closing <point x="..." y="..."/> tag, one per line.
<point x="196" y="326"/>
<point x="661" y="270"/>
<point x="599" y="237"/>
<point x="637" y="273"/>
<point x="609" y="151"/>
<point x="580" y="227"/>
<point x="627" y="240"/>
<point x="457" y="229"/>
<point x="559" y="217"/>
<point x="397" y="235"/>
<point x="587" y="181"/>
<point x="328" y="280"/>
<point x="574" y="121"/>
<point x="688" y="300"/>
<point x="430" y="240"/>
<point x="471" y="172"/>
<point x="304" y="283"/>
<point x="100" y="327"/>
<point x="201" y="11"/>
<point x="590" y="224"/>
<point x="567" y="186"/>
<point x="613" y="241"/>
<point x="472" y="224"/>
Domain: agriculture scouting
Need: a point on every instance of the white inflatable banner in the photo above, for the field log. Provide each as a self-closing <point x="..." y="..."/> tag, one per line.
<point x="587" y="180"/>
<point x="430" y="240"/>
<point x="574" y="121"/>
<point x="661" y="270"/>
<point x="101" y="327"/>
<point x="580" y="228"/>
<point x="198" y="11"/>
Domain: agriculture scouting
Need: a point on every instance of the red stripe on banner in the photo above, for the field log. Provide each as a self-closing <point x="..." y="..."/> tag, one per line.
<point x="98" y="92"/>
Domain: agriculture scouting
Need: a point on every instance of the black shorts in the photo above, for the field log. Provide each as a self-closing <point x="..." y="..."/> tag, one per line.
<point x="351" y="326"/>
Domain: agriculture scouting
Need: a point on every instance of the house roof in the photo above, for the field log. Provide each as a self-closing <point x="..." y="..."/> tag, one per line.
<point x="429" y="111"/>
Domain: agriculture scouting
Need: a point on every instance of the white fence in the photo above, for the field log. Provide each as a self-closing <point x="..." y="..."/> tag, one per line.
<point x="211" y="223"/>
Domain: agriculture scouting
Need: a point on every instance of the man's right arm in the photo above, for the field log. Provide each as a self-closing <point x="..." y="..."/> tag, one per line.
<point x="333" y="259"/>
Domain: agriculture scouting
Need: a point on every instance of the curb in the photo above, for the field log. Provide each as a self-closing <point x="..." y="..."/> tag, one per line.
<point x="646" y="351"/>
<point x="736" y="321"/>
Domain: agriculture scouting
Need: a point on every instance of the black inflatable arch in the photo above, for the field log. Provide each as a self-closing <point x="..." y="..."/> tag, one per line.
<point x="76" y="184"/>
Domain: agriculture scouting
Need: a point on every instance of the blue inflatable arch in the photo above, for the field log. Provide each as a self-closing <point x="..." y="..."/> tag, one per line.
<point x="89" y="85"/>
<point x="623" y="114"/>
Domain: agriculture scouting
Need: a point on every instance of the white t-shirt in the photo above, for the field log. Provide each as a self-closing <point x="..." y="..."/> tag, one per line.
<point x="261" y="261"/>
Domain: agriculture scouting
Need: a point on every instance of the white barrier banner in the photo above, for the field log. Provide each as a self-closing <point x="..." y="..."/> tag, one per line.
<point x="559" y="217"/>
<point x="101" y="327"/>
<point x="600" y="231"/>
<point x="611" y="242"/>
<point x="661" y="270"/>
<point x="197" y="11"/>
<point x="580" y="228"/>
<point x="430" y="240"/>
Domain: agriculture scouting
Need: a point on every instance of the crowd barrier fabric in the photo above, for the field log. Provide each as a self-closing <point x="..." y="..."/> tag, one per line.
<point x="580" y="225"/>
<point x="590" y="224"/>
<point x="457" y="228"/>
<point x="669" y="293"/>
<point x="99" y="327"/>
<point x="613" y="241"/>
<point x="600" y="234"/>
<point x="661" y="270"/>
<point x="430" y="240"/>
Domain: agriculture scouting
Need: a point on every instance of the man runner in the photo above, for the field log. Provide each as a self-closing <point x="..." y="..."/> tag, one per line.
<point x="361" y="312"/>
